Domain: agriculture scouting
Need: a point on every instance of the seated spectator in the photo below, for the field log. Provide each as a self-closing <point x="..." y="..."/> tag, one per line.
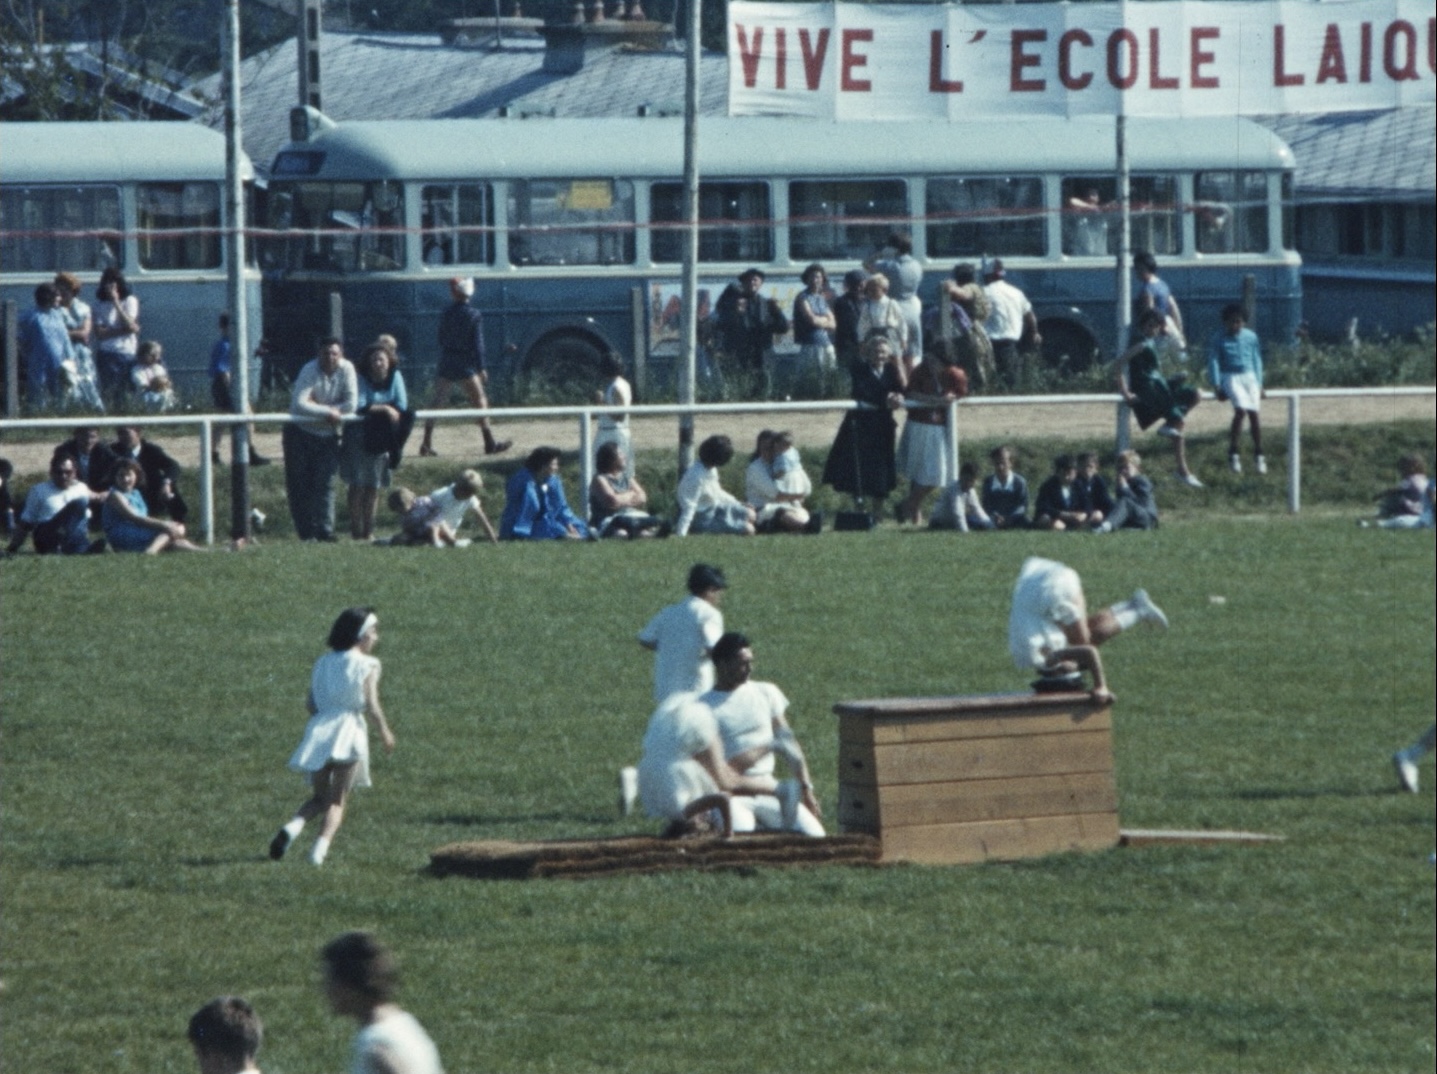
<point x="56" y="512"/>
<point x="1090" y="488"/>
<point x="704" y="505"/>
<point x="94" y="462"/>
<point x="1133" y="507"/>
<point x="617" y="500"/>
<point x="151" y="380"/>
<point x="162" y="473"/>
<point x="1410" y="494"/>
<point x="1422" y="521"/>
<point x="1058" y="505"/>
<point x="435" y="519"/>
<point x="534" y="503"/>
<point x="127" y="522"/>
<point x="960" y="507"/>
<point x="1005" y="493"/>
<point x="775" y="486"/>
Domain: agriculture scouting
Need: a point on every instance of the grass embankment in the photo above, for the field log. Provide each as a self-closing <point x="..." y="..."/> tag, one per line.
<point x="149" y="706"/>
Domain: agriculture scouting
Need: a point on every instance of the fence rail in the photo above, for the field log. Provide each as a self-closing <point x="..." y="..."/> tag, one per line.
<point x="585" y="416"/>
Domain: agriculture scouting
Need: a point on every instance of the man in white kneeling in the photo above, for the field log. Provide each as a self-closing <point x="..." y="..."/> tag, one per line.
<point x="753" y="724"/>
<point x="683" y="776"/>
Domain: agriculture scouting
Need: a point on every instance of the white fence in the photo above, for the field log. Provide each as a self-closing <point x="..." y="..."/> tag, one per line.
<point x="585" y="416"/>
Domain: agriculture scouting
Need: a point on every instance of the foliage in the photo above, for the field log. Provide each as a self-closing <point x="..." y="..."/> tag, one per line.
<point x="150" y="703"/>
<point x="1362" y="363"/>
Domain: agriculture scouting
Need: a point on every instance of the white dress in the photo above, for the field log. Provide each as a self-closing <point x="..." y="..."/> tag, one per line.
<point x="337" y="732"/>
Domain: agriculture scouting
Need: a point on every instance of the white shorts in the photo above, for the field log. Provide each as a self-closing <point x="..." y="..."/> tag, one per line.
<point x="1243" y="390"/>
<point x="1048" y="596"/>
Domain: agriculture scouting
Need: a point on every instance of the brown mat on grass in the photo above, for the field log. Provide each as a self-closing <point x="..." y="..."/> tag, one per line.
<point x="499" y="859"/>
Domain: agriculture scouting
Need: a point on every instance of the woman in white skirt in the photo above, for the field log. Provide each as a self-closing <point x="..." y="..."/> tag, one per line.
<point x="923" y="455"/>
<point x="334" y="753"/>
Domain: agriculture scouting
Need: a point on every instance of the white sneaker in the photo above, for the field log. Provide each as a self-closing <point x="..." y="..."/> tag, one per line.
<point x="1261" y="464"/>
<point x="1190" y="480"/>
<point x="1147" y="611"/>
<point x="628" y="789"/>
<point x="1406" y="771"/>
<point x="1234" y="463"/>
<point x="1170" y="432"/>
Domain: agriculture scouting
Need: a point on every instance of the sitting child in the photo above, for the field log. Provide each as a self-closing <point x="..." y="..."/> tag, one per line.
<point x="150" y="378"/>
<point x="775" y="486"/>
<point x="435" y="519"/>
<point x="1133" y="506"/>
<point x="1005" y="494"/>
<point x="1060" y="504"/>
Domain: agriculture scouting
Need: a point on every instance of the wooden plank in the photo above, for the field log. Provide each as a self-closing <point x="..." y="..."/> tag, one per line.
<point x="935" y="728"/>
<point x="981" y="758"/>
<point x="1143" y="837"/>
<point x="999" y="840"/>
<point x="881" y="809"/>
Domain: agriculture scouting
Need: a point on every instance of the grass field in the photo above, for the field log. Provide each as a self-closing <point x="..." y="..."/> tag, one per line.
<point x="150" y="704"/>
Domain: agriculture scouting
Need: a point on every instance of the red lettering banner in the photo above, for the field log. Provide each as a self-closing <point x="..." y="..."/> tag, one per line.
<point x="1161" y="58"/>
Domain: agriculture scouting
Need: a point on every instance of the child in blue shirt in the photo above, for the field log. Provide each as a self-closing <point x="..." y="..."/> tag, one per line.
<point x="1234" y="366"/>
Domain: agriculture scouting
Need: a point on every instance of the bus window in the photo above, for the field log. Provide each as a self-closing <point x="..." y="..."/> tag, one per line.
<point x="349" y="226"/>
<point x="1231" y="212"/>
<point x="571" y="222"/>
<point x="29" y="216"/>
<point x="448" y="214"/>
<point x="1289" y="213"/>
<point x="190" y="214"/>
<point x="734" y="222"/>
<point x="1091" y="219"/>
<point x="972" y="217"/>
<point x="844" y="220"/>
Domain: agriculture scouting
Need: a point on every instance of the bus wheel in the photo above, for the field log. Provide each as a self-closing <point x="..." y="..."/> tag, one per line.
<point x="562" y="369"/>
<point x="1068" y="348"/>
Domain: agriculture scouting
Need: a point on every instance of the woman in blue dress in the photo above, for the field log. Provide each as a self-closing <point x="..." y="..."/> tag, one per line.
<point x="372" y="445"/>
<point x="534" y="503"/>
<point x="127" y="522"/>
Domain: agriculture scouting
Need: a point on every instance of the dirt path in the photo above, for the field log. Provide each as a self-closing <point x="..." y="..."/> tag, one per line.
<point x="461" y="442"/>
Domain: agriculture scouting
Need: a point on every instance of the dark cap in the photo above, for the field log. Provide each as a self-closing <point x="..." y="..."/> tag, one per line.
<point x="855" y="278"/>
<point x="703" y="577"/>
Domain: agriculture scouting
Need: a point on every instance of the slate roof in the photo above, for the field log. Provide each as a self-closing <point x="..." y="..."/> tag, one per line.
<point x="369" y="75"/>
<point x="380" y="75"/>
<point x="1378" y="156"/>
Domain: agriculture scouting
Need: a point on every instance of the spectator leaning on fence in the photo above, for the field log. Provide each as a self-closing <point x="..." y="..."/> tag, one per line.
<point x="326" y="390"/>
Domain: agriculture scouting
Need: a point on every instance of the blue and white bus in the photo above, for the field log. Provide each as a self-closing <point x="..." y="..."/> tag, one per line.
<point x="147" y="198"/>
<point x="570" y="226"/>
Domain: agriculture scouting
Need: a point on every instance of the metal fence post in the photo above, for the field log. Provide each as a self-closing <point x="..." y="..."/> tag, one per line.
<point x="1124" y="434"/>
<point x="207" y="479"/>
<point x="586" y="459"/>
<point x="1294" y="452"/>
<point x="12" y="361"/>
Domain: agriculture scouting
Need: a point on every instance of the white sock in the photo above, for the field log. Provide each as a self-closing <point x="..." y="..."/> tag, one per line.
<point x="294" y="827"/>
<point x="319" y="850"/>
<point x="1126" y="615"/>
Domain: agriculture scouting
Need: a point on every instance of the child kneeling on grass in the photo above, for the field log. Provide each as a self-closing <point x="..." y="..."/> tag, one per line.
<point x="435" y="519"/>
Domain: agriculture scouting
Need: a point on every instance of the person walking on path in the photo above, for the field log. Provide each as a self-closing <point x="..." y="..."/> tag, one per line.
<point x="461" y="362"/>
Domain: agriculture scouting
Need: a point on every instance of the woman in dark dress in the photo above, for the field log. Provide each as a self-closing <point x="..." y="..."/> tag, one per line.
<point x="862" y="460"/>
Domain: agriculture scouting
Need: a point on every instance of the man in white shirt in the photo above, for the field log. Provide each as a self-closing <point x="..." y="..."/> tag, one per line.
<point x="680" y="636"/>
<point x="1051" y="632"/>
<point x="56" y="512"/>
<point x="752" y="722"/>
<point x="1011" y="318"/>
<point x="326" y="390"/>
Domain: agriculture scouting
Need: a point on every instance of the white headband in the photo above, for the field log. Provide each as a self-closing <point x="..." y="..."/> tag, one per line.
<point x="370" y="622"/>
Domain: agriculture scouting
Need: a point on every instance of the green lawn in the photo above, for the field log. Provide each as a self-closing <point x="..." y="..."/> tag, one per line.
<point x="149" y="706"/>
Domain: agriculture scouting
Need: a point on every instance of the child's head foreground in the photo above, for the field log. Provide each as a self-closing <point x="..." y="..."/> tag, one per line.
<point x="469" y="483"/>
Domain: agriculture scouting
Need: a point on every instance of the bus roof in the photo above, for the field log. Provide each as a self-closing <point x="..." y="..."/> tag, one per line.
<point x="34" y="153"/>
<point x="758" y="146"/>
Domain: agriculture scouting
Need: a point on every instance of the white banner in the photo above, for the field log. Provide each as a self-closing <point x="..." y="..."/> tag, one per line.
<point x="1162" y="58"/>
